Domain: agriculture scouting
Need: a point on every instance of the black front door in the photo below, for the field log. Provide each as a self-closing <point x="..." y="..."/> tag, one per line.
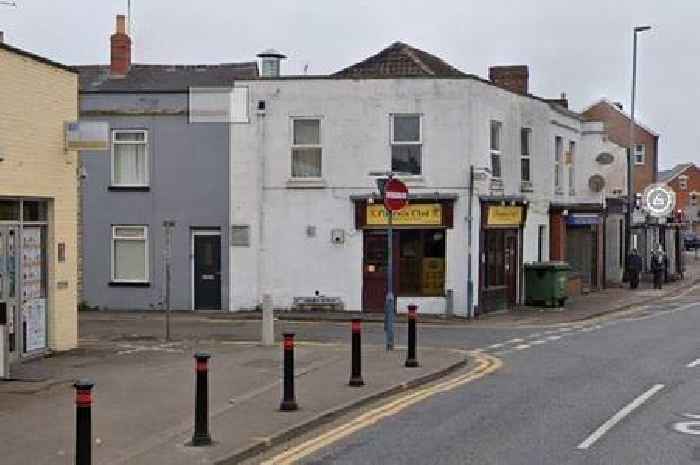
<point x="207" y="272"/>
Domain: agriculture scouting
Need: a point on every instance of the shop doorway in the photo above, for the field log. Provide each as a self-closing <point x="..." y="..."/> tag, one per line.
<point x="501" y="256"/>
<point x="206" y="270"/>
<point x="374" y="271"/>
<point x="581" y="247"/>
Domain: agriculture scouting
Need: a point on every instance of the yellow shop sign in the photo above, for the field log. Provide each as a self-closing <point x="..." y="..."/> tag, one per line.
<point x="411" y="215"/>
<point x="502" y="216"/>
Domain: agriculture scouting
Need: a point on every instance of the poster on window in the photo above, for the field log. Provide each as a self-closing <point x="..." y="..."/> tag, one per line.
<point x="35" y="320"/>
<point x="33" y="305"/>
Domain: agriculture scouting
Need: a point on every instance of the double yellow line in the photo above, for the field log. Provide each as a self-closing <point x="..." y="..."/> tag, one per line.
<point x="485" y="364"/>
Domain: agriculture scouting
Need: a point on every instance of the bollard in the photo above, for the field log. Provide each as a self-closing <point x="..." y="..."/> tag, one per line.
<point x="289" y="402"/>
<point x="356" y="374"/>
<point x="83" y="422"/>
<point x="411" y="360"/>
<point x="201" y="401"/>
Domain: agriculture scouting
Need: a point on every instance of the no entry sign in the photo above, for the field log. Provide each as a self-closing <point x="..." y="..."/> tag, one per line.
<point x="395" y="195"/>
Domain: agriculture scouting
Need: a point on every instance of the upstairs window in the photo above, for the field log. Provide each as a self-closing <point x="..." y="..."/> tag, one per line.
<point x="495" y="148"/>
<point x="639" y="154"/>
<point x="558" y="160"/>
<point x="306" y="148"/>
<point x="683" y="182"/>
<point x="129" y="158"/>
<point x="570" y="161"/>
<point x="406" y="144"/>
<point x="525" y="175"/>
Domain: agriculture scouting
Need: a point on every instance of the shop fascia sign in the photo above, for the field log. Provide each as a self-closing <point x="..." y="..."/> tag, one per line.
<point x="505" y="216"/>
<point x="410" y="215"/>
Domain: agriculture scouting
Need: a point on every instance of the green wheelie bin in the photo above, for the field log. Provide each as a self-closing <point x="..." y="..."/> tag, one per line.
<point x="545" y="283"/>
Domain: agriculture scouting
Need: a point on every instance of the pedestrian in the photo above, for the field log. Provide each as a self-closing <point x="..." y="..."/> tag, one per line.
<point x="658" y="266"/>
<point x="634" y="268"/>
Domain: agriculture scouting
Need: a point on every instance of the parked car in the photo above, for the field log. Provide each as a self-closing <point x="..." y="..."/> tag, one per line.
<point x="692" y="241"/>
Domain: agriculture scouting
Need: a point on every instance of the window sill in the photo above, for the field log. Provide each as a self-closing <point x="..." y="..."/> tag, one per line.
<point x="526" y="186"/>
<point x="306" y="183"/>
<point x="558" y="191"/>
<point x="129" y="284"/>
<point x="129" y="188"/>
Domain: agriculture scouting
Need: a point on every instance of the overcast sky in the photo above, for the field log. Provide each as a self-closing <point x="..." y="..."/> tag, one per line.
<point x="582" y="47"/>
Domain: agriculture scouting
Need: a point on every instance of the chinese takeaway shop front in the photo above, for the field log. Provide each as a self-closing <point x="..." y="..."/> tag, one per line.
<point x="419" y="253"/>
<point x="500" y="252"/>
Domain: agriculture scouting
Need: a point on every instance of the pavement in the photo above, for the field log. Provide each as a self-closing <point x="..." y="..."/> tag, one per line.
<point x="144" y="396"/>
<point x="618" y="390"/>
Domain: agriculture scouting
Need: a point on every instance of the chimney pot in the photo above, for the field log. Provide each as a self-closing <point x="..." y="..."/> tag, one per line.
<point x="618" y="105"/>
<point x="121" y="24"/>
<point x="512" y="78"/>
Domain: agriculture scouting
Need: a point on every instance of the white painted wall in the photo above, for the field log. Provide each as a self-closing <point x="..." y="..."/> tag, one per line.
<point x="284" y="261"/>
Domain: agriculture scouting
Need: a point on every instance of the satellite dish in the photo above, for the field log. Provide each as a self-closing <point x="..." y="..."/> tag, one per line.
<point x="596" y="183"/>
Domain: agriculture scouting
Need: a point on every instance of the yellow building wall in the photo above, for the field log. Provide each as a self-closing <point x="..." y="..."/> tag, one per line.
<point x="35" y="101"/>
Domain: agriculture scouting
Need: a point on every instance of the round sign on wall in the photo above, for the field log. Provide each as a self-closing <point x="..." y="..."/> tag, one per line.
<point x="659" y="200"/>
<point x="395" y="195"/>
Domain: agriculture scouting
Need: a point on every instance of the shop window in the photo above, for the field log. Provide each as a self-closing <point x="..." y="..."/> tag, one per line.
<point x="495" y="148"/>
<point x="130" y="158"/>
<point x="9" y="210"/>
<point x="34" y="211"/>
<point x="421" y="262"/>
<point x="306" y="148"/>
<point x="406" y="144"/>
<point x="129" y="254"/>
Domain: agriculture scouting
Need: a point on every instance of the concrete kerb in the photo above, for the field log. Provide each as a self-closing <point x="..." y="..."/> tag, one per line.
<point x="329" y="415"/>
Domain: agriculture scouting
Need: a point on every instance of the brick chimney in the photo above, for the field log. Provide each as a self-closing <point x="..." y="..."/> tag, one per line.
<point x="513" y="78"/>
<point x="121" y="49"/>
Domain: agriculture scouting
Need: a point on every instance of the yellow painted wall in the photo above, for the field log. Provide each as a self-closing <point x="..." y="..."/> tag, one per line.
<point x="35" y="101"/>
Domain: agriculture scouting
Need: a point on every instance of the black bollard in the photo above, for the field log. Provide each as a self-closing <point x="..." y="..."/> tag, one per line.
<point x="289" y="402"/>
<point x="411" y="360"/>
<point x="356" y="374"/>
<point x="201" y="401"/>
<point x="83" y="422"/>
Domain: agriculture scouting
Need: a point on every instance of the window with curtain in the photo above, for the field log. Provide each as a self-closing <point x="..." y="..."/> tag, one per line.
<point x="130" y="253"/>
<point x="406" y="145"/>
<point x="130" y="158"/>
<point x="306" y="148"/>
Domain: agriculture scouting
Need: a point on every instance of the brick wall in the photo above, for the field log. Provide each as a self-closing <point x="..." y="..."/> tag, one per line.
<point x="37" y="99"/>
<point x="617" y="127"/>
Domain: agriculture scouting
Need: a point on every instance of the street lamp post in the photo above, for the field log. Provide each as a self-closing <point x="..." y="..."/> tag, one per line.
<point x="630" y="152"/>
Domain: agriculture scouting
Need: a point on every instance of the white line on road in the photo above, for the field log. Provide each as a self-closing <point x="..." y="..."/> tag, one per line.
<point x="693" y="364"/>
<point x="495" y="346"/>
<point x="615" y="419"/>
<point x="537" y="342"/>
<point x="553" y="338"/>
<point x="522" y="347"/>
<point x="515" y="341"/>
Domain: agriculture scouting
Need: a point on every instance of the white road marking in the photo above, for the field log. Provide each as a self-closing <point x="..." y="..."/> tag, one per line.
<point x="537" y="342"/>
<point x="615" y="419"/>
<point x="563" y="330"/>
<point x="522" y="347"/>
<point x="535" y="335"/>
<point x="693" y="364"/>
<point x="587" y="329"/>
<point x="688" y="427"/>
<point x="553" y="338"/>
<point x="515" y="341"/>
<point x="495" y="346"/>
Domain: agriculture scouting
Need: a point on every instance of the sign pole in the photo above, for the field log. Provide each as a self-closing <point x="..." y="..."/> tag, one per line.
<point x="389" y="304"/>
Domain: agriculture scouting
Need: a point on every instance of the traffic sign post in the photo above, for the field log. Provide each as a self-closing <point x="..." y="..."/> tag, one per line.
<point x="395" y="195"/>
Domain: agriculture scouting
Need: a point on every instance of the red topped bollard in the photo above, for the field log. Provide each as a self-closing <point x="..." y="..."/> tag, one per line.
<point x="83" y="421"/>
<point x="201" y="435"/>
<point x="411" y="360"/>
<point x="356" y="372"/>
<point x="289" y="402"/>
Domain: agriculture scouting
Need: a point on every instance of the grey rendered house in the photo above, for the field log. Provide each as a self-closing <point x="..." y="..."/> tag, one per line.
<point x="159" y="167"/>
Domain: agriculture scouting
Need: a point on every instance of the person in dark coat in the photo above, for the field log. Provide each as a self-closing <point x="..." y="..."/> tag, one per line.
<point x="635" y="267"/>
<point x="658" y="266"/>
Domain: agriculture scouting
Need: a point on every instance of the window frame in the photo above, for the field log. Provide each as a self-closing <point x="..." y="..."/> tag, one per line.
<point x="558" y="160"/>
<point x="393" y="142"/>
<point x="572" y="172"/>
<point x="293" y="146"/>
<point x="643" y="153"/>
<point x="497" y="151"/>
<point x="145" y="143"/>
<point x="144" y="239"/>
<point x="525" y="153"/>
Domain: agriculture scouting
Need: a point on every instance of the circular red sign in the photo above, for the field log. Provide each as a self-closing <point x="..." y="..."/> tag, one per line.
<point x="395" y="195"/>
